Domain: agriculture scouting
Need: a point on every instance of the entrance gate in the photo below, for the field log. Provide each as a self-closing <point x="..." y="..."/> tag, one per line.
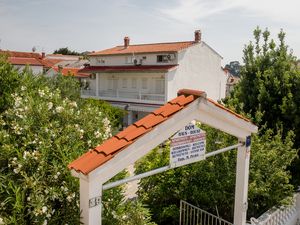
<point x="192" y="215"/>
<point x="100" y="164"/>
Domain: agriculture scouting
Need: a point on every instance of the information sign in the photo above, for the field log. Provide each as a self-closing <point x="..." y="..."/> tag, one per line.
<point x="187" y="146"/>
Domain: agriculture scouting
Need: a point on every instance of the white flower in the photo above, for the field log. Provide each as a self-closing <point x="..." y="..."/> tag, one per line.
<point x="44" y="209"/>
<point x="59" y="109"/>
<point x="73" y="104"/>
<point x="45" y="222"/>
<point x="16" y="171"/>
<point x="23" y="88"/>
<point x="26" y="154"/>
<point x="28" y="199"/>
<point x="50" y="105"/>
<point x="41" y="93"/>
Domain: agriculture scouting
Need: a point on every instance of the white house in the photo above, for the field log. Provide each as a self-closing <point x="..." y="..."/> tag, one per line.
<point x="141" y="78"/>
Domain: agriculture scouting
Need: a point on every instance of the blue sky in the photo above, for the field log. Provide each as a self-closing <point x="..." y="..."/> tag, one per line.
<point x="98" y="24"/>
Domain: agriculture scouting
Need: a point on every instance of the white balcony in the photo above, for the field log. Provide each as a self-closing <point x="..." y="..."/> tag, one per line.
<point x="125" y="96"/>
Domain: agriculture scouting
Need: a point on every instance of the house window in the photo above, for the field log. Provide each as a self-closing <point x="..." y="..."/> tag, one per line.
<point x="162" y="58"/>
<point x="110" y="84"/>
<point x="133" y="83"/>
<point x="129" y="60"/>
<point x="144" y="83"/>
<point x="124" y="83"/>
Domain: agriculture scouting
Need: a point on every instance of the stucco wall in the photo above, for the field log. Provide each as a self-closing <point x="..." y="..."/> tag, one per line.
<point x="35" y="69"/>
<point x="199" y="68"/>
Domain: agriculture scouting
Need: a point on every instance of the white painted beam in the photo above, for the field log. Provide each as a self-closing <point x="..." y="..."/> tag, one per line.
<point x="241" y="185"/>
<point x="90" y="190"/>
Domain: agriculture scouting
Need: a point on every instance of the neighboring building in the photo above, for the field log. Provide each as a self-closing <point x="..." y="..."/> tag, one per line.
<point x="20" y="63"/>
<point x="141" y="78"/>
<point x="22" y="59"/>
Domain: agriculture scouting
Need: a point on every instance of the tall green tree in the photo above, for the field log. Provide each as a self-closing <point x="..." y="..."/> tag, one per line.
<point x="66" y="51"/>
<point x="269" y="91"/>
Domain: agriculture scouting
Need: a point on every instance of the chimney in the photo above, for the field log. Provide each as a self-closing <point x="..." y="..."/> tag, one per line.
<point x="126" y="42"/>
<point x="197" y="35"/>
<point x="60" y="68"/>
<point x="43" y="55"/>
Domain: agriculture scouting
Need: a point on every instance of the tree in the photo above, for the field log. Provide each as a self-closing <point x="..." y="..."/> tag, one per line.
<point x="66" y="51"/>
<point x="269" y="88"/>
<point x="210" y="184"/>
<point x="43" y="127"/>
<point x="9" y="81"/>
<point x="234" y="68"/>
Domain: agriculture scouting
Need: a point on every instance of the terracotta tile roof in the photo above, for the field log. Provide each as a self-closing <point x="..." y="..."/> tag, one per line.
<point x="50" y="62"/>
<point x="69" y="71"/>
<point x="24" y="61"/>
<point x="21" y="54"/>
<point x="91" y="69"/>
<point x="104" y="152"/>
<point x="146" y="48"/>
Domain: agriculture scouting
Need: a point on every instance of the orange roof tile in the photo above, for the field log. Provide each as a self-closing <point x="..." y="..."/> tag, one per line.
<point x="50" y="62"/>
<point x="24" y="61"/>
<point x="21" y="54"/>
<point x="102" y="153"/>
<point x="70" y="71"/>
<point x="146" y="48"/>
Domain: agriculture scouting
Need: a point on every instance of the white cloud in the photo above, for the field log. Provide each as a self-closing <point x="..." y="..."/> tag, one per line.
<point x="191" y="11"/>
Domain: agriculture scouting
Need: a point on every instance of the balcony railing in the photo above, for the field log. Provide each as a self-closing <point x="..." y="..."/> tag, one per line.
<point x="117" y="95"/>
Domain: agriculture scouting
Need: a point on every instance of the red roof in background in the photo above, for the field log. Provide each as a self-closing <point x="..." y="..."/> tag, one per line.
<point x="24" y="61"/>
<point x="22" y="54"/>
<point x="90" y="69"/>
<point x="146" y="48"/>
<point x="68" y="71"/>
<point x="50" y="62"/>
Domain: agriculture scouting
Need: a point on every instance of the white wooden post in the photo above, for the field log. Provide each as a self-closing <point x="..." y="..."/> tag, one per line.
<point x="90" y="202"/>
<point x="241" y="184"/>
<point x="97" y="84"/>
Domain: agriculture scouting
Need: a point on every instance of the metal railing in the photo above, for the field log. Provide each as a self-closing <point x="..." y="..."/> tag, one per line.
<point x="129" y="95"/>
<point x="192" y="215"/>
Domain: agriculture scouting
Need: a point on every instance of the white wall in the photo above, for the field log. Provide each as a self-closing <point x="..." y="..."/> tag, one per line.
<point x="35" y="69"/>
<point x="120" y="60"/>
<point x="199" y="68"/>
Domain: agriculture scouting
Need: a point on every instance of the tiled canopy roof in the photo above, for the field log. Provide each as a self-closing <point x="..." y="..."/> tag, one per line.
<point x="104" y="152"/>
<point x="146" y="48"/>
<point x="90" y="69"/>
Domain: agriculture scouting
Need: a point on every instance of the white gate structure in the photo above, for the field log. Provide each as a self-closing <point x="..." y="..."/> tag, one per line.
<point x="192" y="215"/>
<point x="98" y="165"/>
